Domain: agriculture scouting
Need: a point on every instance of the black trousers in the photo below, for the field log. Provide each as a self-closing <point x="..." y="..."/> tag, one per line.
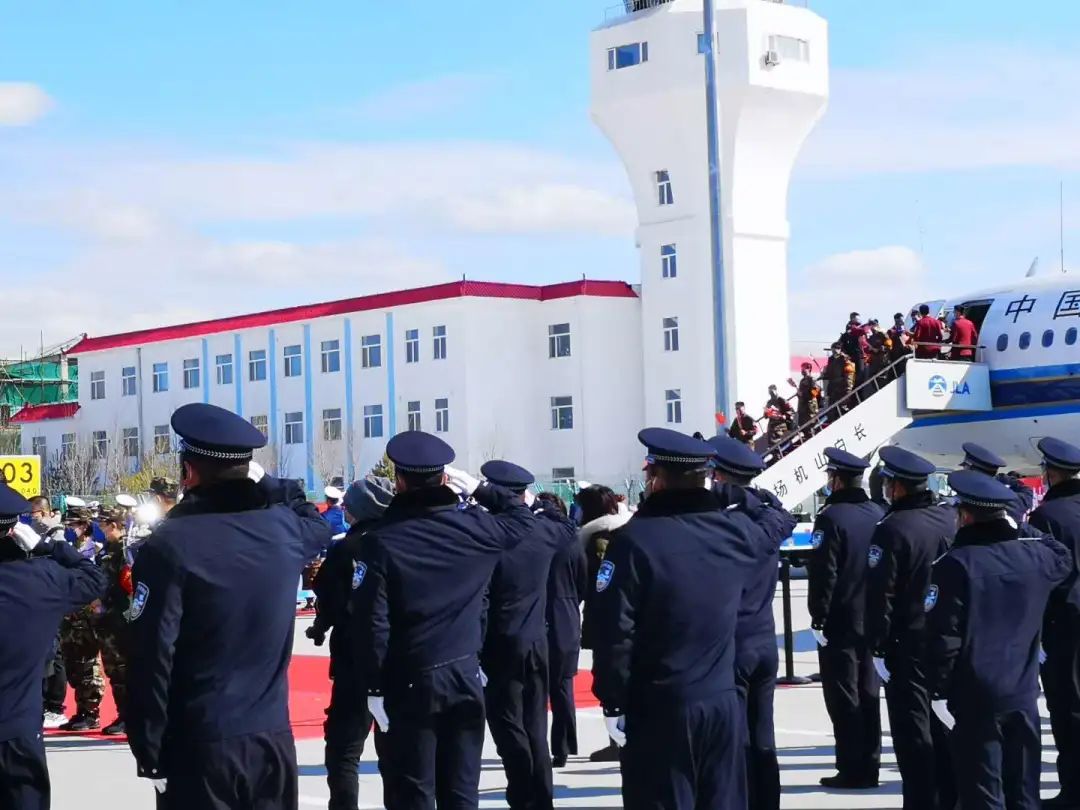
<point x="562" y="669"/>
<point x="54" y="688"/>
<point x="851" y="688"/>
<point x="919" y="739"/>
<point x="516" y="700"/>
<point x="997" y="758"/>
<point x="251" y="772"/>
<point x="755" y="680"/>
<point x="436" y="738"/>
<point x="346" y="729"/>
<point x="1061" y="682"/>
<point x="685" y="756"/>
<point x="24" y="774"/>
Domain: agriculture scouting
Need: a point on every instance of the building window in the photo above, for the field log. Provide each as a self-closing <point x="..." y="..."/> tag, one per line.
<point x="261" y="424"/>
<point x="331" y="424"/>
<point x="1070" y="336"/>
<point x="38" y="447"/>
<point x="161" y="377"/>
<point x="223" y="364"/>
<point x="191" y="373"/>
<point x="673" y="398"/>
<point x="162" y="440"/>
<point x="668" y="261"/>
<point x="1025" y="340"/>
<point x="127" y="381"/>
<point x="331" y="356"/>
<point x="442" y="415"/>
<point x="563" y="475"/>
<point x="413" y="410"/>
<point x="701" y="42"/>
<point x="562" y="413"/>
<point x="257" y="365"/>
<point x="67" y="445"/>
<point x="100" y="444"/>
<point x="671" y="334"/>
<point x="797" y="50"/>
<point x="624" y="56"/>
<point x="1002" y="342"/>
<point x="294" y="427"/>
<point x="559" y="340"/>
<point x="97" y="385"/>
<point x="371" y="351"/>
<point x="131" y="442"/>
<point x="439" y="334"/>
<point x="293" y="365"/>
<point x="664" y="194"/>
<point x="1048" y="338"/>
<point x="373" y="421"/>
<point x="412" y="346"/>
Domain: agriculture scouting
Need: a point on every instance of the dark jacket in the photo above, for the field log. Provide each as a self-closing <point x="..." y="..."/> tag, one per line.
<point x="595" y="538"/>
<point x="1059" y="516"/>
<point x="567" y="586"/>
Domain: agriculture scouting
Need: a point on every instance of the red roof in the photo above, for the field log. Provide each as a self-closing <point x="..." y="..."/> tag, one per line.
<point x="42" y="413"/>
<point x="440" y="292"/>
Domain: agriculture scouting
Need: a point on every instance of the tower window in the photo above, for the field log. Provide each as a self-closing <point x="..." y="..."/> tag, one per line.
<point x="673" y="399"/>
<point x="671" y="334"/>
<point x="663" y="188"/>
<point x="668" y="261"/>
<point x="790" y="48"/>
<point x="624" y="56"/>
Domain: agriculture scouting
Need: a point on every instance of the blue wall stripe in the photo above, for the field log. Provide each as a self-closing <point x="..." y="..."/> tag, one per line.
<point x="350" y="432"/>
<point x="996" y="415"/>
<point x="205" y="370"/>
<point x="391" y="387"/>
<point x="309" y="411"/>
<point x="238" y="377"/>
<point x="1006" y="375"/>
<point x="271" y="372"/>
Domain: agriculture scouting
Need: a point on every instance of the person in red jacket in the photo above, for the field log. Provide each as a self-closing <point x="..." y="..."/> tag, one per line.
<point x="965" y="336"/>
<point x="926" y="333"/>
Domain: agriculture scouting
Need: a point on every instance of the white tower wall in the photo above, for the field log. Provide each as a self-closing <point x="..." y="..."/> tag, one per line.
<point x="654" y="115"/>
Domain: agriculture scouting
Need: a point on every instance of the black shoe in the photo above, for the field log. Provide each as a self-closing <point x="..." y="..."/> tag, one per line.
<point x="80" y="723"/>
<point x="840" y="782"/>
<point x="609" y="754"/>
<point x="558" y="762"/>
<point x="117" y="729"/>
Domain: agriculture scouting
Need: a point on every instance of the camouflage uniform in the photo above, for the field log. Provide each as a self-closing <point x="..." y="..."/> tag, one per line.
<point x="80" y="647"/>
<point x="111" y="623"/>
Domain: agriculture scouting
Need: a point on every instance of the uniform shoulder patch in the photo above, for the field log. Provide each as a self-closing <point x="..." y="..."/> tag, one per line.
<point x="873" y="557"/>
<point x="139" y="600"/>
<point x="817" y="538"/>
<point x="931" y="598"/>
<point x="604" y="575"/>
<point x="358" y="575"/>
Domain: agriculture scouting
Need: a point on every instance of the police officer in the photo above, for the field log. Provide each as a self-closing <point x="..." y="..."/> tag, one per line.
<point x="916" y="530"/>
<point x="334" y="514"/>
<point x="667" y="605"/>
<point x="567" y="584"/>
<point x="36" y="591"/>
<point x="347" y="718"/>
<point x="417" y="605"/>
<point x="1059" y="516"/>
<point x="984" y="611"/>
<point x="756" y="658"/>
<point x="165" y="492"/>
<point x="985" y="461"/>
<point x="111" y="621"/>
<point x="837" y="602"/>
<point x="515" y="656"/>
<point x="212" y="619"/>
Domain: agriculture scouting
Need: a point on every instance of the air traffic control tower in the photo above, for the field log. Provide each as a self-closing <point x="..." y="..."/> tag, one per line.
<point x="714" y="331"/>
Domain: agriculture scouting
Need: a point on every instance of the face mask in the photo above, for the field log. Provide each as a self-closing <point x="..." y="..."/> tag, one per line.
<point x="827" y="490"/>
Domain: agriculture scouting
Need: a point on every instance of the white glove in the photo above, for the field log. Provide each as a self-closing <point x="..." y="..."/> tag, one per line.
<point x="616" y="729"/>
<point x="882" y="670"/>
<point x="461" y="482"/>
<point x="1042" y="655"/>
<point x="941" y="709"/>
<point x="377" y="707"/>
<point x="530" y="499"/>
<point x="819" y="637"/>
<point x="25" y="537"/>
<point x="160" y="785"/>
<point x="483" y="679"/>
<point x="255" y="471"/>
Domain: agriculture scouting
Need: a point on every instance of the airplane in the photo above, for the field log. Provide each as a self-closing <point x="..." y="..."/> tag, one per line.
<point x="1028" y="336"/>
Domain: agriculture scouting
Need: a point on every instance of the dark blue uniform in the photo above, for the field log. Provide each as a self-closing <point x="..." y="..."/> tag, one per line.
<point x="1023" y="498"/>
<point x="666" y="612"/>
<point x="837" y="603"/>
<point x="916" y="531"/>
<point x="980" y="459"/>
<point x="985" y="608"/>
<point x="418" y="604"/>
<point x="35" y="594"/>
<point x="212" y="618"/>
<point x="335" y="516"/>
<point x="567" y="585"/>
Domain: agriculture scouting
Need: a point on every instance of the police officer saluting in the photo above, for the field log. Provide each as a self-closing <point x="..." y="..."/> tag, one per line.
<point x="212" y="620"/>
<point x="515" y="657"/>
<point x="35" y="593"/>
<point x="985" y="609"/>
<point x="837" y="603"/>
<point x="417" y="608"/>
<point x="669" y="592"/>
<point x="980" y="459"/>
<point x="1059" y="516"/>
<point x="916" y="530"/>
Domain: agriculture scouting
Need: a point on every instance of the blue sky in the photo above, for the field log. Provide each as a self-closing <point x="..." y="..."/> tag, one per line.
<point x="278" y="153"/>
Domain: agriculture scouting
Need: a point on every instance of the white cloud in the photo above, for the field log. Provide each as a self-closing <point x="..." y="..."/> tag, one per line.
<point x="421" y="98"/>
<point x="566" y="208"/>
<point x="22" y="103"/>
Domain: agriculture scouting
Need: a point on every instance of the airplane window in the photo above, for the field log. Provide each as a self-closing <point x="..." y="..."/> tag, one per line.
<point x="1003" y="343"/>
<point x="1070" y="336"/>
<point x="1025" y="340"/>
<point x="1048" y="338"/>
